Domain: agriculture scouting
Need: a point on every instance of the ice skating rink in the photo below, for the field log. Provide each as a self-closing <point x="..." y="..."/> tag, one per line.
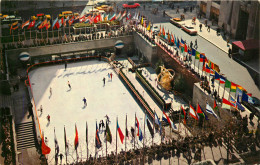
<point x="66" y="107"/>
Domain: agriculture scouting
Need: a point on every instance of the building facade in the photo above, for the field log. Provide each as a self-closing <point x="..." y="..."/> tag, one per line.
<point x="240" y="19"/>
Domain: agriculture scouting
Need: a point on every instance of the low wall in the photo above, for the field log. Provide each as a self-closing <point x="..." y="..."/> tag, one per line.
<point x="199" y="96"/>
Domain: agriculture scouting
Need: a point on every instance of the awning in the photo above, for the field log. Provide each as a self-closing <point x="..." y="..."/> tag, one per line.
<point x="247" y="44"/>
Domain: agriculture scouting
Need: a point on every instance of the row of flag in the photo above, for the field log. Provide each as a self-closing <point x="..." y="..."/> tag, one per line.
<point x="208" y="67"/>
<point x="59" y="22"/>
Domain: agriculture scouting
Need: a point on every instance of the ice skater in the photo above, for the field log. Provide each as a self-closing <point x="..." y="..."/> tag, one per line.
<point x="85" y="101"/>
<point x="108" y="75"/>
<point x="49" y="118"/>
<point x="40" y="109"/>
<point x="69" y="84"/>
<point x="104" y="80"/>
<point x="111" y="75"/>
<point x="66" y="65"/>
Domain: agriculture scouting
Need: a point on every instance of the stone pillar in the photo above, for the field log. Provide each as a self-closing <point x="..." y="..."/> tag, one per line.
<point x="208" y="9"/>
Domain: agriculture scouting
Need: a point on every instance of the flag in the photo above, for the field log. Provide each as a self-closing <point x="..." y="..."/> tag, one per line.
<point x="226" y="104"/>
<point x="54" y="22"/>
<point x="215" y="107"/>
<point x="172" y="39"/>
<point x="25" y="24"/>
<point x="142" y="21"/>
<point x="210" y="110"/>
<point x="87" y="133"/>
<point x="233" y="102"/>
<point x="193" y="113"/>
<point x="206" y="68"/>
<point x="216" y="68"/>
<point x="113" y="17"/>
<point x="227" y="84"/>
<point x="139" y="131"/>
<point x="57" y="149"/>
<point x="222" y="79"/>
<point x="211" y="64"/>
<point x="169" y="121"/>
<point x="189" y="51"/>
<point x="31" y="25"/>
<point x="247" y="98"/>
<point x="185" y="48"/>
<point x="184" y="112"/>
<point x="76" y="141"/>
<point x="202" y="57"/>
<point x="201" y="112"/>
<point x="65" y="142"/>
<point x="108" y="133"/>
<point x="157" y="121"/>
<point x="149" y="126"/>
<point x="241" y="88"/>
<point x="217" y="76"/>
<point x="197" y="56"/>
<point x="58" y="24"/>
<point x="128" y="16"/>
<point x="97" y="18"/>
<point x="178" y="43"/>
<point x="45" y="148"/>
<point x="14" y="26"/>
<point x="37" y="24"/>
<point x="121" y="135"/>
<point x="193" y="52"/>
<point x="239" y="106"/>
<point x="239" y="92"/>
<point x="97" y="141"/>
<point x="43" y="24"/>
<point x="233" y="87"/>
<point x="163" y="32"/>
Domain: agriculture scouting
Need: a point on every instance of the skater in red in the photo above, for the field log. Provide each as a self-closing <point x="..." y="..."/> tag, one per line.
<point x="49" y="118"/>
<point x="111" y="76"/>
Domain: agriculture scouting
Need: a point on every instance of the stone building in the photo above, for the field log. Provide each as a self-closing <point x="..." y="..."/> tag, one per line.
<point x="239" y="18"/>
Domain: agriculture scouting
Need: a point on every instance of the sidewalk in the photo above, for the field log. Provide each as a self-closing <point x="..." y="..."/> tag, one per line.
<point x="211" y="35"/>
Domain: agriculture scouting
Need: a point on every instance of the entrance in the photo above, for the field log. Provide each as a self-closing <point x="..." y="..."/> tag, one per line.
<point x="242" y="25"/>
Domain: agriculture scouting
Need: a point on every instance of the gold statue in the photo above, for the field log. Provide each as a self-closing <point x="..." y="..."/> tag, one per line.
<point x="165" y="78"/>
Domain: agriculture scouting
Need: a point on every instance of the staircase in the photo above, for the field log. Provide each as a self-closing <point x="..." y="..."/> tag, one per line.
<point x="25" y="135"/>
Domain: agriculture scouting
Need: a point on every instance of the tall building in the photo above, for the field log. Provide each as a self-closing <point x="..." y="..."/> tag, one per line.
<point x="238" y="18"/>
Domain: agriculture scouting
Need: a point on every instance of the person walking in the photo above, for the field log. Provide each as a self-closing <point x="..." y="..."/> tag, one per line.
<point x="229" y="53"/>
<point x="200" y="27"/>
<point x="104" y="81"/>
<point x="61" y="156"/>
<point x="196" y="44"/>
<point x="65" y="65"/>
<point x="69" y="85"/>
<point x="49" y="118"/>
<point x="40" y="109"/>
<point x="111" y="75"/>
<point x="85" y="101"/>
<point x="50" y="91"/>
<point x="208" y="28"/>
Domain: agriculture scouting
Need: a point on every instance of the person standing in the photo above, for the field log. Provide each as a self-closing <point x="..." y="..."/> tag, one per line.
<point x="49" y="118"/>
<point x="65" y="65"/>
<point x="85" y="101"/>
<point x="104" y="81"/>
<point x="40" y="109"/>
<point x="196" y="44"/>
<point x="208" y="28"/>
<point x="61" y="156"/>
<point x="111" y="75"/>
<point x="69" y="85"/>
<point x="229" y="53"/>
<point x="200" y="27"/>
<point x="50" y="91"/>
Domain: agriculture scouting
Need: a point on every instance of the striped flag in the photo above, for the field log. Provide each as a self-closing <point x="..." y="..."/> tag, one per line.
<point x="76" y="141"/>
<point x="25" y="24"/>
<point x="97" y="141"/>
<point x="172" y="125"/>
<point x="226" y="104"/>
<point x="193" y="113"/>
<point x="139" y="131"/>
<point x="121" y="135"/>
<point x="211" y="111"/>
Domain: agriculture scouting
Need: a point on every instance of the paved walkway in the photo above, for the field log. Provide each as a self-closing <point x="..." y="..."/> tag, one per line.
<point x="211" y="36"/>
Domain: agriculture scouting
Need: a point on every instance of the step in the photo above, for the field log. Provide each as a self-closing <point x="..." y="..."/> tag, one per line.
<point x="19" y="134"/>
<point x="24" y="125"/>
<point x="25" y="147"/>
<point x="26" y="129"/>
<point x="25" y="143"/>
<point x="30" y="122"/>
<point x="25" y="138"/>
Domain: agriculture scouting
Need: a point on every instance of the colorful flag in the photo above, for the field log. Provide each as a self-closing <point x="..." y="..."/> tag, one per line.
<point x="108" y="133"/>
<point x="37" y="24"/>
<point x="197" y="56"/>
<point x="239" y="92"/>
<point x="233" y="102"/>
<point x="121" y="135"/>
<point x="172" y="125"/>
<point x="54" y="22"/>
<point x="193" y="52"/>
<point x="206" y="68"/>
<point x="202" y="57"/>
<point x="172" y="39"/>
<point x="43" y="24"/>
<point x="233" y="87"/>
<point x="157" y="121"/>
<point x="76" y="141"/>
<point x="57" y="148"/>
<point x="201" y="113"/>
<point x="215" y="107"/>
<point x="139" y="131"/>
<point x="184" y="112"/>
<point x="193" y="113"/>
<point x="45" y="148"/>
<point x="149" y="126"/>
<point x="25" y="24"/>
<point x="113" y="17"/>
<point x="210" y="110"/>
<point x="222" y="79"/>
<point x="247" y="98"/>
<point x="98" y="142"/>
<point x="227" y="84"/>
<point x="226" y="104"/>
<point x="217" y="76"/>
<point x="216" y="68"/>
<point x="142" y="21"/>
<point x="239" y="106"/>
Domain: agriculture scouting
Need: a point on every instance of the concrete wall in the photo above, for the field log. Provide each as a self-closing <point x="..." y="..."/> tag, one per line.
<point x="200" y="97"/>
<point x="147" y="49"/>
<point x="189" y="77"/>
<point x="71" y="47"/>
<point x="253" y="21"/>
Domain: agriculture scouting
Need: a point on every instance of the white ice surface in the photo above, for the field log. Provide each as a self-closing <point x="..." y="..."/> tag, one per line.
<point x="65" y="107"/>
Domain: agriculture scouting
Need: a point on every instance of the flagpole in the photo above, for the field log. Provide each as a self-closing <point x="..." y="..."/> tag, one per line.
<point x="24" y="35"/>
<point x="55" y="146"/>
<point x="144" y="131"/>
<point x="224" y="89"/>
<point x="106" y="138"/>
<point x="199" y="67"/>
<point x="218" y="86"/>
<point x="87" y="137"/>
<point x="194" y="62"/>
<point x="153" y="125"/>
<point x="96" y="140"/>
<point x="179" y="119"/>
<point x="65" y="144"/>
<point x="134" y="132"/>
<point x="125" y="130"/>
<point x="116" y="136"/>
